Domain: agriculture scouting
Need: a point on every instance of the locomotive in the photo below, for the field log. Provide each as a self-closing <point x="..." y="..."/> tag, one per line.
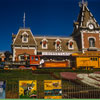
<point x="34" y="62"/>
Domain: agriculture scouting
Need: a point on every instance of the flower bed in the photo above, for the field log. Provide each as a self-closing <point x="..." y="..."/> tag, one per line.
<point x="68" y="75"/>
<point x="92" y="79"/>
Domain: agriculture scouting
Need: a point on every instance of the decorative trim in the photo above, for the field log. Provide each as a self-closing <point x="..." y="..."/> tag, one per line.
<point x="13" y="54"/>
<point x="92" y="37"/>
<point x="24" y="33"/>
<point x="57" y="53"/>
<point x="14" y="51"/>
<point x="82" y="40"/>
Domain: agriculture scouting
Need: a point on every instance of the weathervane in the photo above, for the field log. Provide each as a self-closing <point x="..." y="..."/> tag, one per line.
<point x="85" y="3"/>
<point x="82" y="1"/>
<point x="24" y="20"/>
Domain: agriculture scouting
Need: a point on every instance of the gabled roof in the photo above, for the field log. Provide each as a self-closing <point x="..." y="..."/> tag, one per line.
<point x="18" y="38"/>
<point x="85" y="15"/>
<point x="84" y="18"/>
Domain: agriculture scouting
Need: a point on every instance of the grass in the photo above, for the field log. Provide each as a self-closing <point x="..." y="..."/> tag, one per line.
<point x="12" y="78"/>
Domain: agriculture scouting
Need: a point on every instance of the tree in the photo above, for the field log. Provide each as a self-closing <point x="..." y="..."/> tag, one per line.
<point x="7" y="55"/>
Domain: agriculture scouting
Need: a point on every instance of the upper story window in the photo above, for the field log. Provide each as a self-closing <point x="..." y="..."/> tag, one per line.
<point x="91" y="42"/>
<point x="70" y="45"/>
<point x="44" y="44"/>
<point x="24" y="37"/>
<point x="58" y="45"/>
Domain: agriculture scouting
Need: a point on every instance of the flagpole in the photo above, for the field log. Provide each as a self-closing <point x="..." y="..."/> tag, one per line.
<point x="24" y="20"/>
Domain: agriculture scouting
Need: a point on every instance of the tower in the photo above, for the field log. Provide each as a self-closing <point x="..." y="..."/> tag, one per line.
<point x="86" y="30"/>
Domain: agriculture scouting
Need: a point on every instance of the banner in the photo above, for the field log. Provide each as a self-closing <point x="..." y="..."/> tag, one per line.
<point x="2" y="89"/>
<point x="28" y="89"/>
<point x="52" y="89"/>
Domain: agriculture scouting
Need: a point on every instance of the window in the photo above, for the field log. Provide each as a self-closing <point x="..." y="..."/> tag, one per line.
<point x="93" y="59"/>
<point x="21" y="58"/>
<point x="44" y="44"/>
<point x="70" y="45"/>
<point x="91" y="42"/>
<point x="36" y="58"/>
<point x="24" y="37"/>
<point x="32" y="58"/>
<point x="58" y="45"/>
<point x="24" y="57"/>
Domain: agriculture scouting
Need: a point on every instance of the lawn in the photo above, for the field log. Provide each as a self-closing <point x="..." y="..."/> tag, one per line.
<point x="12" y="78"/>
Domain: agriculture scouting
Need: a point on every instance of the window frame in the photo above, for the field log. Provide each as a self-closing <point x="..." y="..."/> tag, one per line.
<point x="24" y="35"/>
<point x="46" y="45"/>
<point x="93" y="43"/>
<point x="69" y="45"/>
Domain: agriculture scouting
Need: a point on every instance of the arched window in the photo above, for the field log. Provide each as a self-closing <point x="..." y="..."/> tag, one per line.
<point x="24" y="37"/>
<point x="70" y="44"/>
<point x="44" y="44"/>
<point x="58" y="45"/>
<point x="91" y="42"/>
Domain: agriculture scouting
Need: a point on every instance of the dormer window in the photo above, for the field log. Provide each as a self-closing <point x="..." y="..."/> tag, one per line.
<point x="24" y="37"/>
<point x="58" y="45"/>
<point x="44" y="44"/>
<point x="70" y="45"/>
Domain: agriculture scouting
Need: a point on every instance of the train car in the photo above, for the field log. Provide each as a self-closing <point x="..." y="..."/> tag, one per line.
<point x="85" y="60"/>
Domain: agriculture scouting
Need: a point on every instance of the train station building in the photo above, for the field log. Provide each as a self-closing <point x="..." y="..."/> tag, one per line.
<point x="84" y="38"/>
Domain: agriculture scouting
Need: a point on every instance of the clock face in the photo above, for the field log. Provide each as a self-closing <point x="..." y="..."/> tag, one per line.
<point x="91" y="26"/>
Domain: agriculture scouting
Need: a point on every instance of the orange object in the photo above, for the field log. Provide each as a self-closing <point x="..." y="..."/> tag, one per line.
<point x="56" y="64"/>
<point x="34" y="60"/>
<point x="33" y="67"/>
<point x="22" y="67"/>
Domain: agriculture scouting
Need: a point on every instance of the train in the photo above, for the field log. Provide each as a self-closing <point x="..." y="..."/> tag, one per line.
<point x="87" y="60"/>
<point x="35" y="62"/>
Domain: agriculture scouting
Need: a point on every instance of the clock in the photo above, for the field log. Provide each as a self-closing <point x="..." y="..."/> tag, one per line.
<point x="91" y="26"/>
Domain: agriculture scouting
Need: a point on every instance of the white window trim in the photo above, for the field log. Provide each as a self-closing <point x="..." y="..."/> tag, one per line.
<point x="25" y="33"/>
<point x="92" y="37"/>
<point x="69" y="45"/>
<point x="56" y="43"/>
<point x="44" y="47"/>
<point x="23" y="40"/>
<point x="19" y="57"/>
<point x="22" y="55"/>
<point x="46" y="44"/>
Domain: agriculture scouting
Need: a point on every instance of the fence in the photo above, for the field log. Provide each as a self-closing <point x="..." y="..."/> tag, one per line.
<point x="70" y="90"/>
<point x="81" y="91"/>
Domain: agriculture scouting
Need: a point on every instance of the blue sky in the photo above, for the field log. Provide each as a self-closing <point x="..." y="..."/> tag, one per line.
<point x="44" y="17"/>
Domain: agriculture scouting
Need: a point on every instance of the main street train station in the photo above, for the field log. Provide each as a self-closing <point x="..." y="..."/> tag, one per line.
<point x="45" y="67"/>
<point x="85" y="38"/>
